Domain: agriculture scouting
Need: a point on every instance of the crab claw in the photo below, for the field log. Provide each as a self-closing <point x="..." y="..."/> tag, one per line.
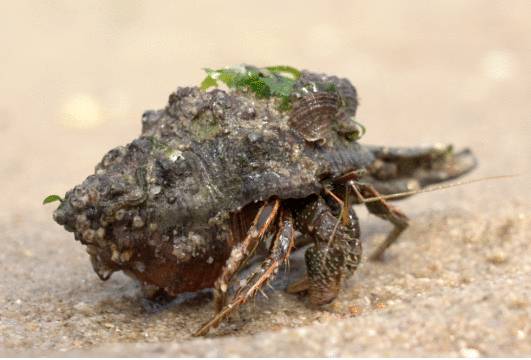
<point x="405" y="169"/>
<point x="446" y="167"/>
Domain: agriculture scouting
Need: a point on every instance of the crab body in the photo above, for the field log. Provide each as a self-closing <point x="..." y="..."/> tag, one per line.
<point x="184" y="206"/>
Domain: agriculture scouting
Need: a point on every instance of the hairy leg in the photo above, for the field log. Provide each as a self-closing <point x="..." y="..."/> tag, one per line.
<point x="279" y="253"/>
<point x="336" y="251"/>
<point x="383" y="210"/>
<point x="244" y="250"/>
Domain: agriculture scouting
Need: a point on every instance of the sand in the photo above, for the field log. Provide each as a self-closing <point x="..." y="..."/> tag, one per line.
<point x="77" y="77"/>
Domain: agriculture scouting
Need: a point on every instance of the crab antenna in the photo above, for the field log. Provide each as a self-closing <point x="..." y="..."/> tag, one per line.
<point x="436" y="188"/>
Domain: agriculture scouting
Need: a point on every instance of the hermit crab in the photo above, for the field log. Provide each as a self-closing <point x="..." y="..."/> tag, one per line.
<point x="268" y="164"/>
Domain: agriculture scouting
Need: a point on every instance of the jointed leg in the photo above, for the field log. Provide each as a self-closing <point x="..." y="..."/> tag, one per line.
<point x="339" y="208"/>
<point x="279" y="252"/>
<point x="383" y="210"/>
<point x="242" y="251"/>
<point x="335" y="253"/>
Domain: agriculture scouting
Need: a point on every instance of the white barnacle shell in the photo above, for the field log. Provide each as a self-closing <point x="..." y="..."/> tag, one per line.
<point x="88" y="235"/>
<point x="100" y="233"/>
<point x="155" y="190"/>
<point x="138" y="222"/>
<point x="82" y="222"/>
<point x="119" y="214"/>
<point x="174" y="155"/>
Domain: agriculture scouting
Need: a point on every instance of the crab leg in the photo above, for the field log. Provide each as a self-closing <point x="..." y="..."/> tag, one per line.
<point x="278" y="254"/>
<point x="279" y="251"/>
<point x="244" y="250"/>
<point x="384" y="210"/>
<point x="305" y="240"/>
<point x="336" y="251"/>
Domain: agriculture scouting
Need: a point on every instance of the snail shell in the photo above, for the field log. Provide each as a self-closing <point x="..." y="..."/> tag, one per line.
<point x="313" y="114"/>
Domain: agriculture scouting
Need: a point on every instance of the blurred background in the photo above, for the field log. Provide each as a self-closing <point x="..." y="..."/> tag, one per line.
<point x="76" y="76"/>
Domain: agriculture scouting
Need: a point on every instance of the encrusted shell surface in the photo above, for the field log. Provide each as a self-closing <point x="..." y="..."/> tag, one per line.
<point x="159" y="208"/>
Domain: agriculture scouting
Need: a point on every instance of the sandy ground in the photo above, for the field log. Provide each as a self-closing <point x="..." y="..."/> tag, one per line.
<point x="76" y="76"/>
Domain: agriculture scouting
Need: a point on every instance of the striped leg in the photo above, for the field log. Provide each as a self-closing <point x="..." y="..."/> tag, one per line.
<point x="278" y="254"/>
